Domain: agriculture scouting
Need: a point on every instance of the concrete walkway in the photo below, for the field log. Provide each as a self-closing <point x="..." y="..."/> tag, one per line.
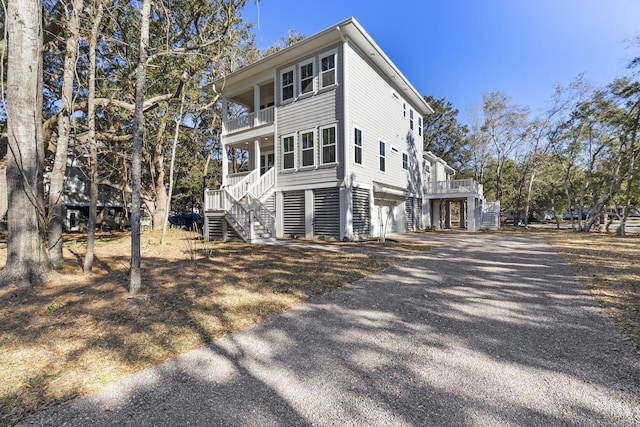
<point x="489" y="329"/>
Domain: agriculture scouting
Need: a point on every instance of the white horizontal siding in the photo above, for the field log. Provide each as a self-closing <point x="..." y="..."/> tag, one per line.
<point x="374" y="109"/>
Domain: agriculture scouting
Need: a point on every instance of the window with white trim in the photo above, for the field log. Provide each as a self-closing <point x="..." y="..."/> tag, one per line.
<point x="404" y="109"/>
<point x="411" y="118"/>
<point x="307" y="144"/>
<point x="328" y="70"/>
<point x="419" y="126"/>
<point x="286" y="83"/>
<point x="306" y="77"/>
<point x="288" y="152"/>
<point x="405" y="161"/>
<point x="328" y="153"/>
<point x="383" y="156"/>
<point x="357" y="146"/>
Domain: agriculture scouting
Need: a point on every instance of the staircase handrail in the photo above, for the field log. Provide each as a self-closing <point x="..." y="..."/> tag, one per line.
<point x="261" y="212"/>
<point x="238" y="190"/>
<point x="260" y="187"/>
<point x="239" y="213"/>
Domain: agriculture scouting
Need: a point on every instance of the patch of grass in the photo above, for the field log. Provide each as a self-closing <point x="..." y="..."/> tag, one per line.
<point x="71" y="337"/>
<point x="609" y="266"/>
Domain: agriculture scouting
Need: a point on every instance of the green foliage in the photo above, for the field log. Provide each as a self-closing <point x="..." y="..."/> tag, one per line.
<point x="446" y="137"/>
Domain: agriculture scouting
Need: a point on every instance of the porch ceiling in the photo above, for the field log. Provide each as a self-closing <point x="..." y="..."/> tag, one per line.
<point x="266" y="142"/>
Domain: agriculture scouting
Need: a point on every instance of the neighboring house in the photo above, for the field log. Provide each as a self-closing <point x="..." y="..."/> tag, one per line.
<point x="333" y="132"/>
<point x="75" y="201"/>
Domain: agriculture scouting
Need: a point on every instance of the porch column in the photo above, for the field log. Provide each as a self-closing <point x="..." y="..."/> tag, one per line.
<point x="256" y="153"/>
<point x="473" y="217"/>
<point x="256" y="104"/>
<point x="225" y="114"/>
<point x="447" y="214"/>
<point x="225" y="165"/>
<point x="462" y="215"/>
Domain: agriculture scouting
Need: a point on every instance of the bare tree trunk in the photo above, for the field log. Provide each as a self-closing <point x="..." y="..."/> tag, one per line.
<point x="27" y="257"/>
<point x="172" y="166"/>
<point x="93" y="148"/>
<point x="58" y="171"/>
<point x="135" y="282"/>
<point x="527" y="202"/>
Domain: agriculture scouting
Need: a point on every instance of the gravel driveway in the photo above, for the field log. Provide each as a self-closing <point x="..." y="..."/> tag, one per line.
<point x="489" y="329"/>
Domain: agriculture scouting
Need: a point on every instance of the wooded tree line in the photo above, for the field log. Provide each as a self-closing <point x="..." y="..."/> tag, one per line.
<point x="79" y="86"/>
<point x="581" y="156"/>
<point x="124" y="87"/>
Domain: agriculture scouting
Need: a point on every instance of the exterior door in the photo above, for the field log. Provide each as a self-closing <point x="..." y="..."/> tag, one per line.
<point x="266" y="162"/>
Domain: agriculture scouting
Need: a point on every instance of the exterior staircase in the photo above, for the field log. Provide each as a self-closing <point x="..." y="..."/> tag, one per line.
<point x="490" y="216"/>
<point x="244" y="211"/>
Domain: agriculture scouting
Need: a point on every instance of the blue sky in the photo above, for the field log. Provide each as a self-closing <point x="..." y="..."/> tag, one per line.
<point x="460" y="49"/>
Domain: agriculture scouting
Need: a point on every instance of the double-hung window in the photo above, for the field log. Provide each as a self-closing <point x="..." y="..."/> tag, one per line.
<point x="383" y="154"/>
<point x="308" y="148"/>
<point x="405" y="161"/>
<point x="287" y="84"/>
<point x="411" y="119"/>
<point x="357" y="146"/>
<point x="327" y="70"/>
<point x="306" y="78"/>
<point x="419" y="126"/>
<point x="328" y="136"/>
<point x="288" y="152"/>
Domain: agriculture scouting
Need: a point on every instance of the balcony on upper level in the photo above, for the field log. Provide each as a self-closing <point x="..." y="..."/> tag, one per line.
<point x="249" y="121"/>
<point x="248" y="109"/>
<point x="454" y="188"/>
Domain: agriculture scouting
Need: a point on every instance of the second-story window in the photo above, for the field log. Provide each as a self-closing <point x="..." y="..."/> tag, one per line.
<point x="287" y="85"/>
<point x="328" y="70"/>
<point x="383" y="156"/>
<point x="288" y="152"/>
<point x="308" y="149"/>
<point x="405" y="161"/>
<point x="306" y="78"/>
<point x="419" y="126"/>
<point x="411" y="119"/>
<point x="328" y="145"/>
<point x="357" y="146"/>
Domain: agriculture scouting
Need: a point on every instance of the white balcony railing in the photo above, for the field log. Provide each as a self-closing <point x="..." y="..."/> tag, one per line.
<point x="454" y="186"/>
<point x="249" y="121"/>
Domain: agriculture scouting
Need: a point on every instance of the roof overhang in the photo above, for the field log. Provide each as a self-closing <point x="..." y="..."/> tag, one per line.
<point x="349" y="29"/>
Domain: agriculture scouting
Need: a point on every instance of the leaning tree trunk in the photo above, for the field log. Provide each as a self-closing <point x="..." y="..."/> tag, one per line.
<point x="27" y="257"/>
<point x="56" y="186"/>
<point x="135" y="282"/>
<point x="93" y="147"/>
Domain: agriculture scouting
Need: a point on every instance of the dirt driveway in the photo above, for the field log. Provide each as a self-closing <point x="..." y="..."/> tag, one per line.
<point x="489" y="329"/>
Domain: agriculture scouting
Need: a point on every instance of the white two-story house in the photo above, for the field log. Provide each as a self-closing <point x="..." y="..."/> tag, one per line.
<point x="332" y="131"/>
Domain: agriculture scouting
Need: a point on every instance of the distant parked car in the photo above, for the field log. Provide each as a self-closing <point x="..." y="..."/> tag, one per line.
<point x="187" y="220"/>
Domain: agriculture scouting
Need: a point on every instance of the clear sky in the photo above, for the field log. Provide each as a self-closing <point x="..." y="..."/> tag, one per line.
<point x="460" y="49"/>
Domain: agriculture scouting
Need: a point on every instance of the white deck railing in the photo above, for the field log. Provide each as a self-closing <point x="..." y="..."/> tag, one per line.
<point x="264" y="183"/>
<point x="248" y="121"/>
<point x="455" y="186"/>
<point x="241" y="187"/>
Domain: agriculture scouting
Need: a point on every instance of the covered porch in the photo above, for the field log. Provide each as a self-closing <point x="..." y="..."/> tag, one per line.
<point x="456" y="204"/>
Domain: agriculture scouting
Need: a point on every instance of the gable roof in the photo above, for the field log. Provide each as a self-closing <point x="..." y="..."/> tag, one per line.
<point x="348" y="29"/>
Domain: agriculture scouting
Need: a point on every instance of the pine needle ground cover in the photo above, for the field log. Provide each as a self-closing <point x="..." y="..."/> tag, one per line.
<point x="73" y="336"/>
